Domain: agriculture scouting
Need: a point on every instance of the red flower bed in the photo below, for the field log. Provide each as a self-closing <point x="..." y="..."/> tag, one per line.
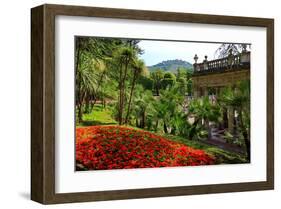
<point x="115" y="147"/>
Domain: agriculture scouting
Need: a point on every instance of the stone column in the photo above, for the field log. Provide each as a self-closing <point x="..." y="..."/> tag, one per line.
<point x="217" y="91"/>
<point x="205" y="93"/>
<point x="195" y="93"/>
<point x="231" y="120"/>
<point x="224" y="123"/>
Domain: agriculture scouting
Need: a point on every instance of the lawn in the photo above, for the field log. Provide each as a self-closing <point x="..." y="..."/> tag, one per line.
<point x="222" y="156"/>
<point x="99" y="116"/>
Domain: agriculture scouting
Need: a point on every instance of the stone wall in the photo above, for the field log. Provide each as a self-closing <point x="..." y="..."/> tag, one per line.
<point x="218" y="79"/>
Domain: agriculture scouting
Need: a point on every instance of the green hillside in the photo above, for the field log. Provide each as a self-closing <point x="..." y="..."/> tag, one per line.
<point x="170" y="65"/>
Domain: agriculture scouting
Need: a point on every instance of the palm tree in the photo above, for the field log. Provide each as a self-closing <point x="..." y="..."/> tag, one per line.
<point x="169" y="80"/>
<point x="99" y="71"/>
<point x="157" y="77"/>
<point x="126" y="58"/>
<point x="204" y="110"/>
<point x="85" y="83"/>
<point x="89" y="53"/>
<point x="138" y="68"/>
<point x="239" y="99"/>
<point x="170" y="103"/>
<point x="180" y="123"/>
<point x="160" y="113"/>
<point x="143" y="101"/>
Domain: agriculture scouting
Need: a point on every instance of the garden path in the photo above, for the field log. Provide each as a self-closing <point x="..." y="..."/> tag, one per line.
<point x="219" y="141"/>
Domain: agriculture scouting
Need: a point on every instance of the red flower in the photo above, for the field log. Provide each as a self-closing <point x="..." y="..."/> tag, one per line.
<point x="116" y="147"/>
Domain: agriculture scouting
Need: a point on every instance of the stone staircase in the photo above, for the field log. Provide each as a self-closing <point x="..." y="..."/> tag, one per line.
<point x="219" y="140"/>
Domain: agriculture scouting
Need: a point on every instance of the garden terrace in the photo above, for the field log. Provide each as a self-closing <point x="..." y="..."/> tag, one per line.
<point x="229" y="63"/>
<point x="211" y="77"/>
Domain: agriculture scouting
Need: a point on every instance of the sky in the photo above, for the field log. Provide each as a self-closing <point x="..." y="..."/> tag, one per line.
<point x="158" y="51"/>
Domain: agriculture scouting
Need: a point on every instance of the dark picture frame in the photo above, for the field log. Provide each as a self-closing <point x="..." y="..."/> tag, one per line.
<point x="43" y="103"/>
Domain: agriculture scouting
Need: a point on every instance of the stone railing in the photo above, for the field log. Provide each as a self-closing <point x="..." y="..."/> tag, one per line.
<point x="231" y="62"/>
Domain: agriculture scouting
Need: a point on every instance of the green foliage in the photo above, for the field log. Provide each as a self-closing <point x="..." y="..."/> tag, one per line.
<point x="139" y="106"/>
<point x="91" y="60"/>
<point x="205" y="112"/>
<point x="169" y="80"/>
<point x="113" y="85"/>
<point x="189" y="86"/>
<point x="202" y="108"/>
<point x="182" y="85"/>
<point x="157" y="76"/>
<point x="239" y="99"/>
<point x="168" y="108"/>
<point x="222" y="156"/>
<point x="146" y="82"/>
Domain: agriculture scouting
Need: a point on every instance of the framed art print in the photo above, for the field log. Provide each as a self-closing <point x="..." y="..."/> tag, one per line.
<point x="135" y="104"/>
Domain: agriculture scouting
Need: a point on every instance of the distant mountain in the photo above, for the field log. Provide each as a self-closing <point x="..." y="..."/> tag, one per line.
<point x="170" y="65"/>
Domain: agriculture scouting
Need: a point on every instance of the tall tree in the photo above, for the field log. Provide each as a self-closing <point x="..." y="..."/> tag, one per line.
<point x="171" y="103"/>
<point x="143" y="101"/>
<point x="138" y="67"/>
<point x="157" y="77"/>
<point x="126" y="58"/>
<point x="224" y="49"/>
<point x="169" y="80"/>
<point x="89" y="53"/>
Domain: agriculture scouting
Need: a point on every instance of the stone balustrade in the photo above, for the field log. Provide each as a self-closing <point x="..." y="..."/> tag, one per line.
<point x="231" y="62"/>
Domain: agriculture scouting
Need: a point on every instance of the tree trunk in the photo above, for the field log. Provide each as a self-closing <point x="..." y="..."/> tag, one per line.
<point x="77" y="86"/>
<point x="156" y="125"/>
<point x="143" y="119"/>
<point x="245" y="136"/>
<point x="173" y="131"/>
<point x="192" y="131"/>
<point x="209" y="133"/>
<point x="87" y="104"/>
<point x="122" y="93"/>
<point x="165" y="128"/>
<point x="130" y="99"/>
<point x="248" y="145"/>
<point x="80" y="107"/>
<point x="207" y="123"/>
<point x="225" y="119"/>
<point x="96" y="92"/>
<point x="77" y="57"/>
<point x="157" y="90"/>
<point x="79" y="113"/>
<point x="92" y="103"/>
<point x="104" y="103"/>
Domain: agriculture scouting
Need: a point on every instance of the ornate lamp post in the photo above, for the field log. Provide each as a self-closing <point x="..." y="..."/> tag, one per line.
<point x="205" y="63"/>
<point x="244" y="48"/>
<point x="245" y="56"/>
<point x="195" y="62"/>
<point x="230" y="59"/>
